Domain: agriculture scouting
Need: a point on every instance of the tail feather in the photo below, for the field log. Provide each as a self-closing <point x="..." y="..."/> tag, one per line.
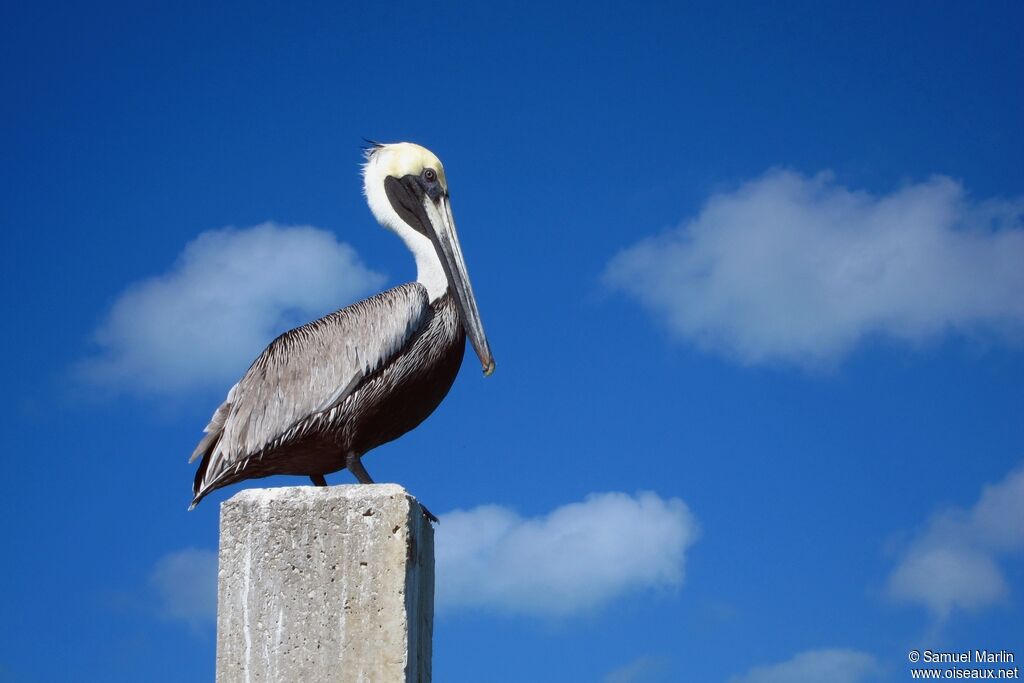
<point x="214" y="431"/>
<point x="197" y="483"/>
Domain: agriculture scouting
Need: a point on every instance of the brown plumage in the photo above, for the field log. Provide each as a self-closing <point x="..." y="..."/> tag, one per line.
<point x="322" y="395"/>
<point x="341" y="385"/>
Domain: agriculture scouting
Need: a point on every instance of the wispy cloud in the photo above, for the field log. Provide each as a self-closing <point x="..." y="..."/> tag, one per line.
<point x="186" y="583"/>
<point x="800" y="270"/>
<point x="954" y="562"/>
<point x="641" y="669"/>
<point x="576" y="558"/>
<point x="835" y="665"/>
<point x="227" y="295"/>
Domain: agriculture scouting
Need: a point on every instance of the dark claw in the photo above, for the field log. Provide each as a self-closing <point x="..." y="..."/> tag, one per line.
<point x="429" y="515"/>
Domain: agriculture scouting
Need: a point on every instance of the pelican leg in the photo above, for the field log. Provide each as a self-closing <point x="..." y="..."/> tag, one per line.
<point x="354" y="464"/>
<point x="318" y="480"/>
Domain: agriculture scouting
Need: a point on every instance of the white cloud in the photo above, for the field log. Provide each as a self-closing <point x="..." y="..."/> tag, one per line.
<point x="186" y="582"/>
<point x="226" y="297"/>
<point x="643" y="668"/>
<point x="800" y="270"/>
<point x="953" y="562"/>
<point x="576" y="558"/>
<point x="835" y="665"/>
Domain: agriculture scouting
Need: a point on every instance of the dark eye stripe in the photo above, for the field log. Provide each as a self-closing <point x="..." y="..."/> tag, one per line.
<point x="405" y="196"/>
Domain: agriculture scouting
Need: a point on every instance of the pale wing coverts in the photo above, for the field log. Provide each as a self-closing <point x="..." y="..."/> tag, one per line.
<point x="306" y="372"/>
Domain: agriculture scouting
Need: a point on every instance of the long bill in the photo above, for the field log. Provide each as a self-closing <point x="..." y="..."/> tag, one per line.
<point x="446" y="241"/>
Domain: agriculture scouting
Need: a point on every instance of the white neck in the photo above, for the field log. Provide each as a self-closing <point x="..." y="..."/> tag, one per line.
<point x="429" y="271"/>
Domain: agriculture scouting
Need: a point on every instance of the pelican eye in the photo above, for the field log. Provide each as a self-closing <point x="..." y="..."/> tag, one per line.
<point x="430" y="175"/>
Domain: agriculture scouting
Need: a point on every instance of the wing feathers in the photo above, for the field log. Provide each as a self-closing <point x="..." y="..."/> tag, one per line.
<point x="307" y="372"/>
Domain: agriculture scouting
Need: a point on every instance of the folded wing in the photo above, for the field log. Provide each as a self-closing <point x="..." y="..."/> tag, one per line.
<point x="303" y="373"/>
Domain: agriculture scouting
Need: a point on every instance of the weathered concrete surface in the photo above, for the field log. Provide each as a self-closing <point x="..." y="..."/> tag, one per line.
<point x="325" y="584"/>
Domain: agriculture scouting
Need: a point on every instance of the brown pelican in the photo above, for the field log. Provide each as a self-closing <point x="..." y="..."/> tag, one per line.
<point x="322" y="395"/>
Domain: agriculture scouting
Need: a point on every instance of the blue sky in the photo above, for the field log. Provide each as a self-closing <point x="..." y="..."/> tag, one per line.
<point x="752" y="277"/>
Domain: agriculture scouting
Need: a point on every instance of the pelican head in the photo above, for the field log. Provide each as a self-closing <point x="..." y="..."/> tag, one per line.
<point x="407" y="192"/>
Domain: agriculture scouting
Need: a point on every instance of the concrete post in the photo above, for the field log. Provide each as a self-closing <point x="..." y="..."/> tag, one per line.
<point x="322" y="584"/>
